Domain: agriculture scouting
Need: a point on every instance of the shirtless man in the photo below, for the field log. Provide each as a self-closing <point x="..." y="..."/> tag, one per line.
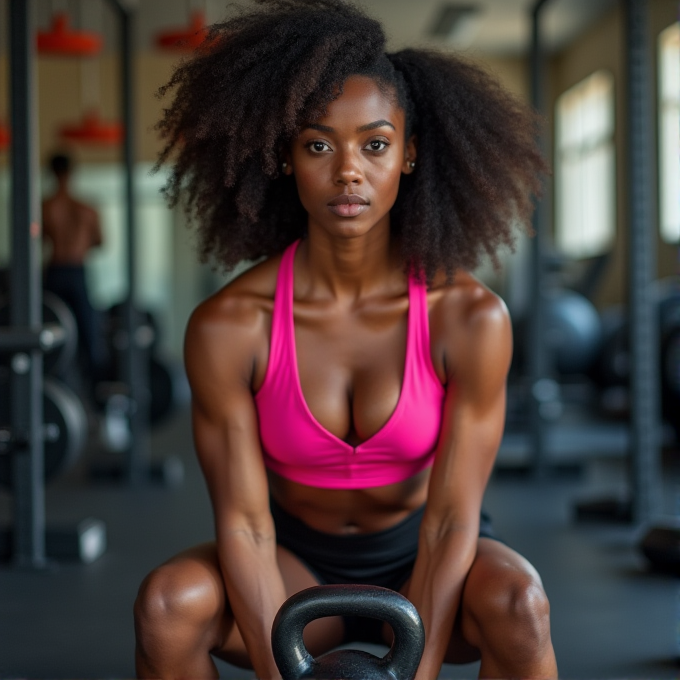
<point x="72" y="229"/>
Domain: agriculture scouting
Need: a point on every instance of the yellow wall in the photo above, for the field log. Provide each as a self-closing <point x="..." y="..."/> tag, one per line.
<point x="602" y="47"/>
<point x="63" y="96"/>
<point x="511" y="72"/>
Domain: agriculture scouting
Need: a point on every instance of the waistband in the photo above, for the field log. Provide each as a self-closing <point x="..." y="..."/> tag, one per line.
<point x="350" y="557"/>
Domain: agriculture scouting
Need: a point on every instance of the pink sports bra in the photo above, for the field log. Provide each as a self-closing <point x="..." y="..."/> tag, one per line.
<point x="296" y="446"/>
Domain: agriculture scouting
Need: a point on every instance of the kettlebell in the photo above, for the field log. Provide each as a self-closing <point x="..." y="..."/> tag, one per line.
<point x="294" y="661"/>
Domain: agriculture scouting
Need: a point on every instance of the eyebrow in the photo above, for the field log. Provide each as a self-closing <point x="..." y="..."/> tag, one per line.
<point x="362" y="128"/>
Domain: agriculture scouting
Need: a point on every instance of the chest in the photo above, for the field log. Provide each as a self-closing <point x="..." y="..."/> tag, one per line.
<point x="351" y="365"/>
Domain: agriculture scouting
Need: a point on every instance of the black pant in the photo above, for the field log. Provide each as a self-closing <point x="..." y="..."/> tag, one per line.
<point x="68" y="282"/>
<point x="382" y="558"/>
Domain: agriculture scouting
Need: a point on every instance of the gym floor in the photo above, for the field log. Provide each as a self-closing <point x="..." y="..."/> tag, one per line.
<point x="611" y="617"/>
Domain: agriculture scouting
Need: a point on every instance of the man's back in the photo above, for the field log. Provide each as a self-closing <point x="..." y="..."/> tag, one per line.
<point x="71" y="227"/>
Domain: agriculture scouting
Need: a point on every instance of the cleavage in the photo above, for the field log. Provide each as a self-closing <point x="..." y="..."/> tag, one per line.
<point x="351" y="372"/>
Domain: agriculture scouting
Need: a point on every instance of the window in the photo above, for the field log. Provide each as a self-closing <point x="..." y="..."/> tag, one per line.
<point x="584" y="167"/>
<point x="669" y="133"/>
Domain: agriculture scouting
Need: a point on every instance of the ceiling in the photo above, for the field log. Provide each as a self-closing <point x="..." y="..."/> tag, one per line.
<point x="501" y="27"/>
<point x="496" y="27"/>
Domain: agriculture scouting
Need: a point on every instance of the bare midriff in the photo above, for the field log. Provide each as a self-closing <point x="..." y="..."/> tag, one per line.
<point x="350" y="511"/>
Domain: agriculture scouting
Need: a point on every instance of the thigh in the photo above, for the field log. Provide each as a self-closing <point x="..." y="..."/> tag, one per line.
<point x="321" y="635"/>
<point x="495" y="567"/>
<point x="201" y="579"/>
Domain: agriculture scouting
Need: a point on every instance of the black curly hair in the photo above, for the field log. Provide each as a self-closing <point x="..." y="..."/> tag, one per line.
<point x="60" y="164"/>
<point x="264" y="74"/>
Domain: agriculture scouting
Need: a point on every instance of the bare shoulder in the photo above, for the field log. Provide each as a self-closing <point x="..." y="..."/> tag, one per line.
<point x="86" y="211"/>
<point x="469" y="301"/>
<point x="228" y="333"/>
<point x="469" y="324"/>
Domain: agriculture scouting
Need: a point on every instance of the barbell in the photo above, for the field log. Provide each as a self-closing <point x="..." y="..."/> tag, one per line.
<point x="64" y="430"/>
<point x="55" y="312"/>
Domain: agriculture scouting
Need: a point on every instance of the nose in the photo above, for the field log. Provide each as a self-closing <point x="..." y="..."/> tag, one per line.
<point x="348" y="169"/>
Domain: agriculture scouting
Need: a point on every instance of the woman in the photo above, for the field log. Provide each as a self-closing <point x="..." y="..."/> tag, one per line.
<point x="349" y="389"/>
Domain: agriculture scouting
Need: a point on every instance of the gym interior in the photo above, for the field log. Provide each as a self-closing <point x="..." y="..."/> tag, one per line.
<point x="99" y="486"/>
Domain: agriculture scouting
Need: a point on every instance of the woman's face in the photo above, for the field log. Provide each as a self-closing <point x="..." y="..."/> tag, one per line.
<point x="347" y="164"/>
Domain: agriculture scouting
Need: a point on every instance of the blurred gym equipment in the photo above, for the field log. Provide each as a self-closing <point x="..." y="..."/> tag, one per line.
<point x="54" y="311"/>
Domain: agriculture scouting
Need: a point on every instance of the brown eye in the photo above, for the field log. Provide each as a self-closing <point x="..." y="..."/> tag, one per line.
<point x="319" y="147"/>
<point x="377" y="145"/>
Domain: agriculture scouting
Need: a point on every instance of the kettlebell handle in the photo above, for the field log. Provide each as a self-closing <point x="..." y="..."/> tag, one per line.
<point x="291" y="655"/>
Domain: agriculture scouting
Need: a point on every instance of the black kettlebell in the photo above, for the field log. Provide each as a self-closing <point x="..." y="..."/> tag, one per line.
<point x="294" y="661"/>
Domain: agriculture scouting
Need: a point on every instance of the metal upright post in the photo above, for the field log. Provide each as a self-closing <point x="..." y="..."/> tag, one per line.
<point x="135" y="361"/>
<point x="26" y="298"/>
<point x="644" y="342"/>
<point x="537" y="349"/>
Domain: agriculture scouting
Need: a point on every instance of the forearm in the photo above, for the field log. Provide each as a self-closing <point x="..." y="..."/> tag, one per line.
<point x="436" y="589"/>
<point x="256" y="591"/>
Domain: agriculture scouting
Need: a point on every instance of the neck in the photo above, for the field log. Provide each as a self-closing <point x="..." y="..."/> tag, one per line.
<point x="347" y="269"/>
<point x="62" y="185"/>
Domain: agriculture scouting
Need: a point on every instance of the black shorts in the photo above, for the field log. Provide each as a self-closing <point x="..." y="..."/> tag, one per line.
<point x="382" y="558"/>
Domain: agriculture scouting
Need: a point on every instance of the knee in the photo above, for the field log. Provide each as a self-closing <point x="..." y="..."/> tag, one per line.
<point x="528" y="606"/>
<point x="515" y="614"/>
<point x="172" y="597"/>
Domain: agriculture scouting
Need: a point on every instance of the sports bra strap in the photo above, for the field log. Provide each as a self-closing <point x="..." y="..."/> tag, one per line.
<point x="282" y="314"/>
<point x="419" y="329"/>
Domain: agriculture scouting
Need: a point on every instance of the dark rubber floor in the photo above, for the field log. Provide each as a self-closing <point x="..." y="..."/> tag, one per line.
<point x="611" y="617"/>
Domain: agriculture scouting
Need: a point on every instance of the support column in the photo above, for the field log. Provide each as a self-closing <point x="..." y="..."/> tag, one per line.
<point x="542" y="387"/>
<point x="26" y="297"/>
<point x="135" y="359"/>
<point x="642" y="312"/>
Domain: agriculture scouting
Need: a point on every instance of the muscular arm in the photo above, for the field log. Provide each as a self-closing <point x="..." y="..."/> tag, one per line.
<point x="478" y="356"/>
<point x="96" y="229"/>
<point x="46" y="225"/>
<point x="219" y="355"/>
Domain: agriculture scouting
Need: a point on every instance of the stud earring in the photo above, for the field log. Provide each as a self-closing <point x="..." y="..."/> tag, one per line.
<point x="284" y="165"/>
<point x="411" y="164"/>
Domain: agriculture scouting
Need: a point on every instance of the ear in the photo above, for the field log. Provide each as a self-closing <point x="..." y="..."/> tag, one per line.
<point x="286" y="163"/>
<point x="410" y="154"/>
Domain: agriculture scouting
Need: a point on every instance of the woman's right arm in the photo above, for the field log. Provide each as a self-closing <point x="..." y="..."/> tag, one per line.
<point x="220" y="354"/>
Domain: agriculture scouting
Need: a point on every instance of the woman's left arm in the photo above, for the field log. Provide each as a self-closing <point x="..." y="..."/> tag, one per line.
<point x="478" y="349"/>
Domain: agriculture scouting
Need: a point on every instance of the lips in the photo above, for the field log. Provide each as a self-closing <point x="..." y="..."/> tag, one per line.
<point x="348" y="205"/>
<point x="352" y="199"/>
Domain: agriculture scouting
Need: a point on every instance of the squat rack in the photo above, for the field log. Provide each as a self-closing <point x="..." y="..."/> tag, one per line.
<point x="29" y="533"/>
<point x="26" y="299"/>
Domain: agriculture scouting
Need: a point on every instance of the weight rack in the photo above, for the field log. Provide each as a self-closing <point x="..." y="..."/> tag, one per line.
<point x="26" y="339"/>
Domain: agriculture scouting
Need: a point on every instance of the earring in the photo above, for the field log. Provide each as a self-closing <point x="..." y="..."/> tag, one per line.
<point x="411" y="164"/>
<point x="284" y="165"/>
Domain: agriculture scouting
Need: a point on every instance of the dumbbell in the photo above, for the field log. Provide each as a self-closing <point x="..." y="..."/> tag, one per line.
<point x="294" y="661"/>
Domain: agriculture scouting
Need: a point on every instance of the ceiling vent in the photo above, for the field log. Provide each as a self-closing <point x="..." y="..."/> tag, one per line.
<point x="456" y="23"/>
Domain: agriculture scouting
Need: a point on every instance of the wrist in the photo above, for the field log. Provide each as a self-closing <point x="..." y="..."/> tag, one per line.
<point x="426" y="675"/>
<point x="428" y="669"/>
